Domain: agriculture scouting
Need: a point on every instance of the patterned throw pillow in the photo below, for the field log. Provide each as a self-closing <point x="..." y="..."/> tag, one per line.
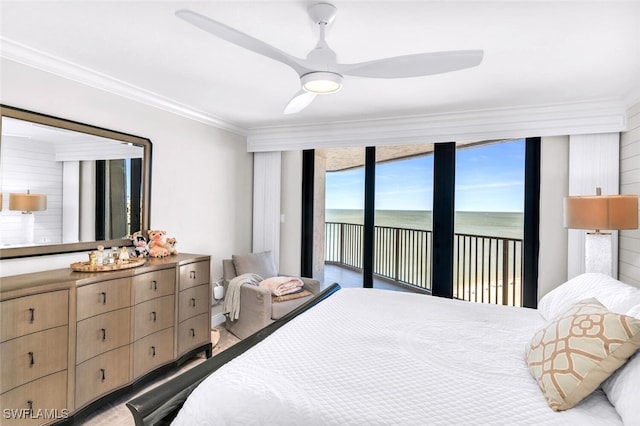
<point x="578" y="350"/>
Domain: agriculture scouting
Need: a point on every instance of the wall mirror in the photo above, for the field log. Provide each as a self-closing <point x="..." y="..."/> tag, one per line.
<point x="67" y="186"/>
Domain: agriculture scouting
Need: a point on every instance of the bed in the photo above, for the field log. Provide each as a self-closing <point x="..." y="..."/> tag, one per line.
<point x="376" y="357"/>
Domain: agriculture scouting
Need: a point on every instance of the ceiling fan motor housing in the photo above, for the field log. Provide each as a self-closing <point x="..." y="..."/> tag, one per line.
<point x="322" y="13"/>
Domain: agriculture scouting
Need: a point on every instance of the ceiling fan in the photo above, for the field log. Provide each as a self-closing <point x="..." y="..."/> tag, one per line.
<point x="320" y="73"/>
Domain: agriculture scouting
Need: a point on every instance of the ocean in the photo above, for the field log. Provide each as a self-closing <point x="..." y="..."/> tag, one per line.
<point x="492" y="224"/>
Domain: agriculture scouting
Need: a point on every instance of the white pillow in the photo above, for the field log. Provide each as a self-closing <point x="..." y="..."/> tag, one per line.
<point x="623" y="390"/>
<point x="634" y="312"/>
<point x="623" y="387"/>
<point x="615" y="295"/>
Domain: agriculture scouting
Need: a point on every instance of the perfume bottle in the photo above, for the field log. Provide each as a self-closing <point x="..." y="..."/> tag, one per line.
<point x="114" y="254"/>
<point x="100" y="258"/>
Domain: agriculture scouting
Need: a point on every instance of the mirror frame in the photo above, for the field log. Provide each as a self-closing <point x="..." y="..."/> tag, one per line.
<point x="48" y="249"/>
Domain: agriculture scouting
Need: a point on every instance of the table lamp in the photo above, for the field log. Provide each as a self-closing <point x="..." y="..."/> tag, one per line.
<point x="27" y="204"/>
<point x="597" y="213"/>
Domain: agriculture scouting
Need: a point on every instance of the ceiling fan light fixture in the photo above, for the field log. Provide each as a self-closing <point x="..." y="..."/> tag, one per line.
<point x="321" y="82"/>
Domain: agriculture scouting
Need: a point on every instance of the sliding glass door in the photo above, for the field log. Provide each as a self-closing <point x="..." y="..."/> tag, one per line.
<point x="344" y="214"/>
<point x="489" y="222"/>
<point x="457" y="220"/>
<point x="403" y="206"/>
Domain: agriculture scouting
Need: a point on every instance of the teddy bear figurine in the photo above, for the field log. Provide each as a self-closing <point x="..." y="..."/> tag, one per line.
<point x="170" y="245"/>
<point x="156" y="243"/>
<point x="141" y="248"/>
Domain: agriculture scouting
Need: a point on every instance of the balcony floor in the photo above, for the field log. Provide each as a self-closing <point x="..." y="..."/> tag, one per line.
<point x="348" y="278"/>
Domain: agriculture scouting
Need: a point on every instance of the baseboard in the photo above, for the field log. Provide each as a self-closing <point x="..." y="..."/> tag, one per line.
<point x="217" y="319"/>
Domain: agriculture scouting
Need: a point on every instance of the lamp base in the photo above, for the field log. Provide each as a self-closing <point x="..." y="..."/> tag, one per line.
<point x="28" y="222"/>
<point x="598" y="253"/>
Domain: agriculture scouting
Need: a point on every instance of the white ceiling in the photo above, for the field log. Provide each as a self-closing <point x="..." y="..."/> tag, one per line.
<point x="537" y="54"/>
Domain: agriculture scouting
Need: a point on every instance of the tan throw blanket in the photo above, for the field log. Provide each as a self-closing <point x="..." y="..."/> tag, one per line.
<point x="279" y="286"/>
<point x="231" y="305"/>
<point x="290" y="296"/>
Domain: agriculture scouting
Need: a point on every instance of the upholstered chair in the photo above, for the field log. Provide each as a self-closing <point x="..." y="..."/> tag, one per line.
<point x="258" y="307"/>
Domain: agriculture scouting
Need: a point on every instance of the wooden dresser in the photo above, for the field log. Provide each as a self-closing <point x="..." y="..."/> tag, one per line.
<point x="68" y="339"/>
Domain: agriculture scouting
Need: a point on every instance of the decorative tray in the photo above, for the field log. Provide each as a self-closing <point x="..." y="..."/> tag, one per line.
<point x="87" y="267"/>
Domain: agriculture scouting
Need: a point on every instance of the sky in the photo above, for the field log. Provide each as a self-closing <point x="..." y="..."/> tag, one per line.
<point x="488" y="178"/>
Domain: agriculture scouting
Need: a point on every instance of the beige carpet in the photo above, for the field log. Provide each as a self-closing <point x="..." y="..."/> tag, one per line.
<point x="116" y="413"/>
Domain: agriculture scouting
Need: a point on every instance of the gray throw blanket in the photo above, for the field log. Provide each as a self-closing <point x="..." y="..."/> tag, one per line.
<point x="231" y="305"/>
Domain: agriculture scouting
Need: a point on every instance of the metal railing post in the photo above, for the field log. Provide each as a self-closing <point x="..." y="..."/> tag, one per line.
<point x="396" y="266"/>
<point x="341" y="244"/>
<point x="505" y="272"/>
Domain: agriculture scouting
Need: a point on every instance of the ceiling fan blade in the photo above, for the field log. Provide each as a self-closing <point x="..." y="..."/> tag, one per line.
<point x="241" y="39"/>
<point x="416" y="65"/>
<point x="300" y="101"/>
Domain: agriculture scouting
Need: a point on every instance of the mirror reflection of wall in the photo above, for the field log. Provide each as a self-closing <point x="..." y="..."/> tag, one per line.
<point x="92" y="184"/>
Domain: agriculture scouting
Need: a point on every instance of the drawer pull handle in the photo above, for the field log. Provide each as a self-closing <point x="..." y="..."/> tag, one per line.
<point x="32" y="360"/>
<point x="154" y="285"/>
<point x="192" y="302"/>
<point x="103" y="376"/>
<point x="192" y="331"/>
<point x="30" y="404"/>
<point x="104" y="334"/>
<point x="154" y="316"/>
<point x="32" y="315"/>
<point x="153" y="351"/>
<point x="192" y="275"/>
<point x="104" y="298"/>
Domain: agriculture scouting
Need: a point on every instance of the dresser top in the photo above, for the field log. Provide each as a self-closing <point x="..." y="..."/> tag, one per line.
<point x="64" y="278"/>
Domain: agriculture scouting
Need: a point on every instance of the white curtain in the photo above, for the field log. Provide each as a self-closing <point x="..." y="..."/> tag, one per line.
<point x="266" y="203"/>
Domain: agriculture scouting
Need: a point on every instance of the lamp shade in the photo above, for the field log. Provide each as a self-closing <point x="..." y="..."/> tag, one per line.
<point x="601" y="212"/>
<point x="27" y="202"/>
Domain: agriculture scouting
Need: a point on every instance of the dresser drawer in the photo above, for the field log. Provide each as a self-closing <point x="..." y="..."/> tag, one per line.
<point x="194" y="332"/>
<point x="29" y="314"/>
<point x="102" y="333"/>
<point x="32" y="356"/>
<point x="45" y="397"/>
<point x="103" y="297"/>
<point x="153" y="284"/>
<point x="101" y="374"/>
<point x="152" y="351"/>
<point x="194" y="301"/>
<point x="194" y="274"/>
<point x="153" y="315"/>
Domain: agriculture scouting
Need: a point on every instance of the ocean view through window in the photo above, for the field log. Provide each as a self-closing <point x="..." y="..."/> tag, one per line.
<point x="489" y="219"/>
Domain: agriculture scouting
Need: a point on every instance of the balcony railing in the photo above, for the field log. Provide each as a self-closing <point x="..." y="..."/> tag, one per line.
<point x="486" y="269"/>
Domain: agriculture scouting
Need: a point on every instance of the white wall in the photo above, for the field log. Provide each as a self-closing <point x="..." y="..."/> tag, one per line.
<point x="201" y="189"/>
<point x="629" y="241"/>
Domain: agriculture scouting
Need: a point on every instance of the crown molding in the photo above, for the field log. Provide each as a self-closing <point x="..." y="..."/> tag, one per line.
<point x="35" y="58"/>
<point x="601" y="116"/>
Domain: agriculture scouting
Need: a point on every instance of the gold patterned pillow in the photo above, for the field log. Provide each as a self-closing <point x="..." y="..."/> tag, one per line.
<point x="578" y="350"/>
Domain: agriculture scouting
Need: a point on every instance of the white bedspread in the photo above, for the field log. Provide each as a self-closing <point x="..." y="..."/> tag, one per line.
<point x="374" y="357"/>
